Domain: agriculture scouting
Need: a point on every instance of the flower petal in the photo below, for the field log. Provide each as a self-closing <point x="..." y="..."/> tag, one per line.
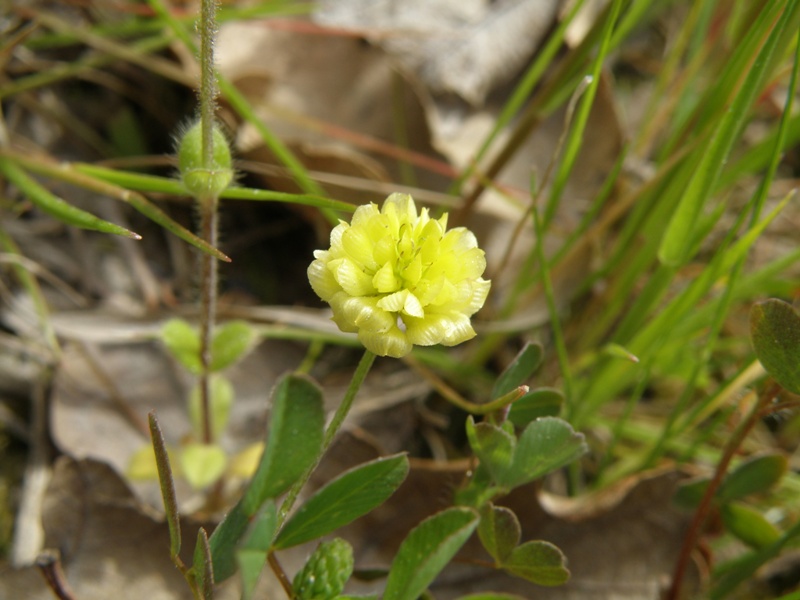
<point x="459" y="329"/>
<point x="339" y="316"/>
<point x="413" y="272"/>
<point x="394" y="302"/>
<point x="413" y="307"/>
<point x="353" y="280"/>
<point x="428" y="331"/>
<point x="480" y="290"/>
<point x="322" y="280"/>
<point x="389" y="343"/>
<point x="358" y="246"/>
<point x="365" y="314"/>
<point x="384" y="280"/>
<point x="404" y="204"/>
<point x="364" y="213"/>
<point x="472" y="263"/>
<point x="336" y="239"/>
<point x="459" y="239"/>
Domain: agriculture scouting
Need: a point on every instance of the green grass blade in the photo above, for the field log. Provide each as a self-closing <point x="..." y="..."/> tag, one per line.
<point x="679" y="237"/>
<point x="575" y="135"/>
<point x="165" y="185"/>
<point x="74" y="174"/>
<point x="72" y="69"/>
<point x="55" y="206"/>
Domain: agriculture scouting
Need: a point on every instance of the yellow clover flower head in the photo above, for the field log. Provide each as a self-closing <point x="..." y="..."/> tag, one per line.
<point x="399" y="278"/>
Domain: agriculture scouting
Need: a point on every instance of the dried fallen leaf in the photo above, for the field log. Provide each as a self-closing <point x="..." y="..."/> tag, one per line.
<point x="110" y="546"/>
<point x="335" y="101"/>
<point x="467" y="48"/>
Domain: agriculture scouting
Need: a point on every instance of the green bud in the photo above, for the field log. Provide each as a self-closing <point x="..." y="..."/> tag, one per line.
<point x="327" y="570"/>
<point x="202" y="180"/>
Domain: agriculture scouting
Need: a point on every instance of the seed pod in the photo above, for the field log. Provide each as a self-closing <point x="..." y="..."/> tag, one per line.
<point x="199" y="179"/>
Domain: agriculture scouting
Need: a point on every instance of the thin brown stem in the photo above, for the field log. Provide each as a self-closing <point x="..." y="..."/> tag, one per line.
<point x="208" y="309"/>
<point x="456" y="399"/>
<point x="280" y="574"/>
<point x="49" y="563"/>
<point x="700" y="515"/>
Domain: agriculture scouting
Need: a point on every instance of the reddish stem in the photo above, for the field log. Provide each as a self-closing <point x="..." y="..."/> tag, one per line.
<point x="700" y="515"/>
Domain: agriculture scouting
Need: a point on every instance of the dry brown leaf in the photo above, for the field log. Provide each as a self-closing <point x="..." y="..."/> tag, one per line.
<point x="101" y="399"/>
<point x="454" y="46"/>
<point x="336" y="101"/>
<point x="110" y="547"/>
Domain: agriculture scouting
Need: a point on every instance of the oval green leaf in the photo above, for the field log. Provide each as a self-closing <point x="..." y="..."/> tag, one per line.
<point x="202" y="464"/>
<point x="539" y="562"/>
<point x="293" y="442"/>
<point x="545" y="445"/>
<point x="225" y="540"/>
<point x="541" y="402"/>
<point x="183" y="342"/>
<point x="749" y="525"/>
<point x="251" y="554"/>
<point x="426" y="551"/>
<point x="690" y="493"/>
<point x="519" y="371"/>
<point x="325" y="573"/>
<point x="231" y="342"/>
<point x="499" y="531"/>
<point x="493" y="446"/>
<point x="349" y="496"/>
<point x="775" y="329"/>
<point x="753" y="476"/>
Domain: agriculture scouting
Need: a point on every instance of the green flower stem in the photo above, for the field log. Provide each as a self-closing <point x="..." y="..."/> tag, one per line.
<point x="456" y="399"/>
<point x="330" y="433"/>
<point x="339" y="416"/>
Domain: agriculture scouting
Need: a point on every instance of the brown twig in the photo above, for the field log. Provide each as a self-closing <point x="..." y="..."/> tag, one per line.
<point x="700" y="515"/>
<point x="49" y="563"/>
<point x="208" y="309"/>
<point x="280" y="574"/>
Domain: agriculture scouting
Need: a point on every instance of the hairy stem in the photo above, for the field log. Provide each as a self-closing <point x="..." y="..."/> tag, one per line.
<point x="208" y="210"/>
<point x="208" y="82"/>
<point x="208" y="309"/>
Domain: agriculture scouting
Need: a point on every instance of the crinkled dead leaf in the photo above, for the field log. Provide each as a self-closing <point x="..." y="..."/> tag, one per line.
<point x="467" y="48"/>
<point x="110" y="545"/>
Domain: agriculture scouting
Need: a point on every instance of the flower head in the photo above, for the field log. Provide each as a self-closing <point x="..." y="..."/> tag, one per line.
<point x="399" y="278"/>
